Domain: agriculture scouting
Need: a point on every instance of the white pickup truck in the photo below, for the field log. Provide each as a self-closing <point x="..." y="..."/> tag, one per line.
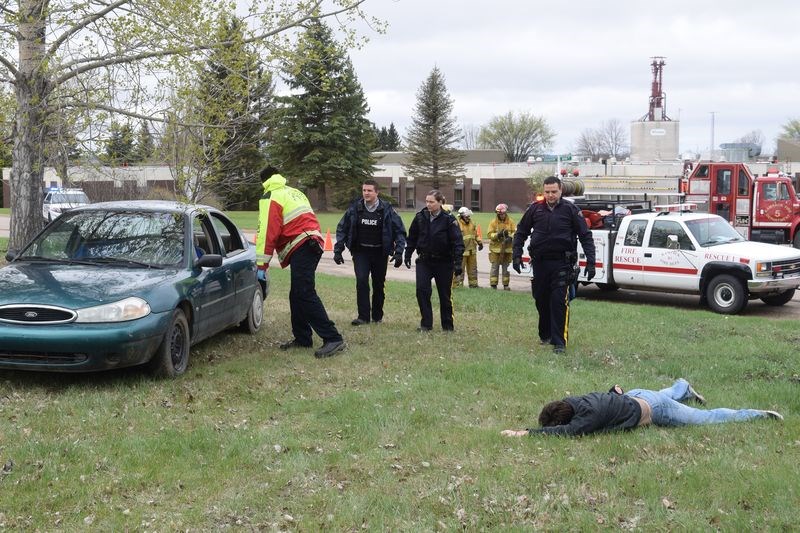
<point x="679" y="251"/>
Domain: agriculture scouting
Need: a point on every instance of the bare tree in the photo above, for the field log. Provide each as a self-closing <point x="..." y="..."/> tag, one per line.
<point x="92" y="56"/>
<point x="609" y="140"/>
<point x="589" y="144"/>
<point x="519" y="135"/>
<point x="471" y="134"/>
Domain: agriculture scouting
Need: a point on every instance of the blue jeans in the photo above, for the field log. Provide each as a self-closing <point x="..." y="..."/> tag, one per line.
<point x="668" y="411"/>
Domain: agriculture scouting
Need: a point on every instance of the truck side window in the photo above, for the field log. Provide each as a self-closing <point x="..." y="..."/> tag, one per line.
<point x="743" y="189"/>
<point x="770" y="192"/>
<point x="783" y="192"/>
<point x="662" y="229"/>
<point x="635" y="233"/>
<point x="724" y="181"/>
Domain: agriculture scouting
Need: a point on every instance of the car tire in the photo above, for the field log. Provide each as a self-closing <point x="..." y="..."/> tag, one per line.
<point x="255" y="314"/>
<point x="779" y="299"/>
<point x="172" y="356"/>
<point x="726" y="295"/>
<point x="607" y="287"/>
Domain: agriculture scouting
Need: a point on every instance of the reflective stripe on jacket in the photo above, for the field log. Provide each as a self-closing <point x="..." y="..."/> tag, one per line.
<point x="285" y="220"/>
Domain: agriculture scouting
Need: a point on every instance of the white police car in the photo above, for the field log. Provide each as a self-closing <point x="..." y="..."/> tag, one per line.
<point x="58" y="200"/>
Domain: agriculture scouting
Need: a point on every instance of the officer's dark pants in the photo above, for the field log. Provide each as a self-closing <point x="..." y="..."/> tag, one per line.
<point x="304" y="304"/>
<point x="442" y="274"/>
<point x="551" y="293"/>
<point x="370" y="263"/>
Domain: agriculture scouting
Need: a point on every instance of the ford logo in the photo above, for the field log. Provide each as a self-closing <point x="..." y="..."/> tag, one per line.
<point x="31" y="314"/>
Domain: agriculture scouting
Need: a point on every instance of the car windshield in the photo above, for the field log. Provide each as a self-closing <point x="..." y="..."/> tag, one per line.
<point x="67" y="198"/>
<point x="713" y="230"/>
<point x="128" y="238"/>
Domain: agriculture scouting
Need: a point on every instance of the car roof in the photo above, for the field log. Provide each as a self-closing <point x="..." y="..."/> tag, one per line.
<point x="167" y="206"/>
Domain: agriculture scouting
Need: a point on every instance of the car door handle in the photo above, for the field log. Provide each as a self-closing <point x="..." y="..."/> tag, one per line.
<point x="648" y="254"/>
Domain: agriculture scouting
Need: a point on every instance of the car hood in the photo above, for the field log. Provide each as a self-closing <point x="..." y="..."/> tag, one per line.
<point x="756" y="251"/>
<point x="77" y="286"/>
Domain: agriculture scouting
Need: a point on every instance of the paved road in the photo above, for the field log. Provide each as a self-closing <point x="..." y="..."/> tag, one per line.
<point x="522" y="283"/>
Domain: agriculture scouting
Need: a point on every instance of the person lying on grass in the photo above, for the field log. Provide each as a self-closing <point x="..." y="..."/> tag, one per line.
<point x="600" y="412"/>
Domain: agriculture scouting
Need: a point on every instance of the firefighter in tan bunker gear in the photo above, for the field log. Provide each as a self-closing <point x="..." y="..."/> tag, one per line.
<point x="472" y="244"/>
<point x="501" y="234"/>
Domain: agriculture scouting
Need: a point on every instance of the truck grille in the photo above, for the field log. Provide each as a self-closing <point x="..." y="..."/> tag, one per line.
<point x="788" y="268"/>
<point x="35" y="314"/>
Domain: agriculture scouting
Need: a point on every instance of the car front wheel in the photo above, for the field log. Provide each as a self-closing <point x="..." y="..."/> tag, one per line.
<point x="255" y="314"/>
<point x="726" y="294"/>
<point x="172" y="356"/>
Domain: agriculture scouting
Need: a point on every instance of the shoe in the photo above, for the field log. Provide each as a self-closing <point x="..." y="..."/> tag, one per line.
<point x="448" y="329"/>
<point x="774" y="415"/>
<point x="294" y="343"/>
<point x="544" y="342"/>
<point x="378" y="321"/>
<point x="506" y="288"/>
<point x="329" y="348"/>
<point x="559" y="349"/>
<point x="424" y="328"/>
<point x="696" y="396"/>
<point x="359" y="322"/>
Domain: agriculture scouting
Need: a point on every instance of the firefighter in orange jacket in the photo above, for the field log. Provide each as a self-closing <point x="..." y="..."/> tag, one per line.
<point x="472" y="244"/>
<point x="287" y="225"/>
<point x="501" y="234"/>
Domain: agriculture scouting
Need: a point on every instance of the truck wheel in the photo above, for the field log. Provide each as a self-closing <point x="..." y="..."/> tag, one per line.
<point x="779" y="299"/>
<point x="796" y="241"/>
<point x="607" y="287"/>
<point x="726" y="295"/>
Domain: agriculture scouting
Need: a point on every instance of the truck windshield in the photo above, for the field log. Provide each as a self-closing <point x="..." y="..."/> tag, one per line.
<point x="713" y="230"/>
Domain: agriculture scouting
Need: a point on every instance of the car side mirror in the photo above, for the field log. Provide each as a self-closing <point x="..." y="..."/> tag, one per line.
<point x="208" y="261"/>
<point x="11" y="254"/>
<point x="672" y="242"/>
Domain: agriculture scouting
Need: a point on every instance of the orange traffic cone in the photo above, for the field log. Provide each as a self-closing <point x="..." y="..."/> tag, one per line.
<point x="328" y="242"/>
<point x="478" y="232"/>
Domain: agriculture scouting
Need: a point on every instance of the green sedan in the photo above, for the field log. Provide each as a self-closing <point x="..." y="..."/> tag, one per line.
<point x="119" y="284"/>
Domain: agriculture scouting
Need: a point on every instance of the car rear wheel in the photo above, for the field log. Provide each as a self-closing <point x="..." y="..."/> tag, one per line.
<point x="726" y="294"/>
<point x="255" y="315"/>
<point x="172" y="357"/>
<point x="779" y="299"/>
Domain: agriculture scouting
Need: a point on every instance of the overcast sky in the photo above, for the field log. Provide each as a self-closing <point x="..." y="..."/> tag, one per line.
<point x="578" y="63"/>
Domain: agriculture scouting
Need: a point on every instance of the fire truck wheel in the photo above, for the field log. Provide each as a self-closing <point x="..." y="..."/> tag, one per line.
<point x="779" y="299"/>
<point x="726" y="295"/>
<point x="796" y="241"/>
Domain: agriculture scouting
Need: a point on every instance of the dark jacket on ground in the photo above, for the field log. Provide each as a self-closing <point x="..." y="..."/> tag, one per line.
<point x="597" y="412"/>
<point x="392" y="228"/>
<point x="439" y="240"/>
<point x="553" y="232"/>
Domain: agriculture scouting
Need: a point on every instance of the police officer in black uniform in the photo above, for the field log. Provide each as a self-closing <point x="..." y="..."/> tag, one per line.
<point x="373" y="232"/>
<point x="554" y="226"/>
<point x="436" y="237"/>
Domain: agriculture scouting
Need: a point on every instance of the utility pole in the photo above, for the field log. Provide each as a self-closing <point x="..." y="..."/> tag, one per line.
<point x="711" y="150"/>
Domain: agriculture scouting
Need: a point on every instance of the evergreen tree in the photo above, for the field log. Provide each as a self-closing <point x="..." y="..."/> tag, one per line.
<point x="145" y="147"/>
<point x="392" y="143"/>
<point x="119" y="147"/>
<point x="433" y="135"/>
<point x="235" y="95"/>
<point x="321" y="136"/>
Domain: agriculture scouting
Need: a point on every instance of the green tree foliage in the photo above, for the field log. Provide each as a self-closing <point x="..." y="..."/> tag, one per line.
<point x="120" y="145"/>
<point x="91" y="58"/>
<point x="145" y="146"/>
<point x="320" y="135"/>
<point x="518" y="135"/>
<point x="791" y="130"/>
<point x="388" y="140"/>
<point x="235" y="96"/>
<point x="433" y="136"/>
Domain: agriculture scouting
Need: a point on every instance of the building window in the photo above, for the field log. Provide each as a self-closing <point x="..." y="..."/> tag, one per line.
<point x="396" y="194"/>
<point x="475" y="203"/>
<point x="410" y="203"/>
<point x="458" y="201"/>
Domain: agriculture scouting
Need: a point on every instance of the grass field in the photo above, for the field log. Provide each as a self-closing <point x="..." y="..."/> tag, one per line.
<point x="401" y="431"/>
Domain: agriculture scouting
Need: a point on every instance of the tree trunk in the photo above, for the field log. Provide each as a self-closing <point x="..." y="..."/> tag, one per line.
<point x="322" y="197"/>
<point x="27" y="165"/>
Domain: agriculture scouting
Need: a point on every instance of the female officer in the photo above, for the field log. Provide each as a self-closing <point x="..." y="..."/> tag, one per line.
<point x="435" y="235"/>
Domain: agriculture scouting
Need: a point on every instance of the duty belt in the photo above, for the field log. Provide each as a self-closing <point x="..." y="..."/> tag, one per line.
<point x="424" y="256"/>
